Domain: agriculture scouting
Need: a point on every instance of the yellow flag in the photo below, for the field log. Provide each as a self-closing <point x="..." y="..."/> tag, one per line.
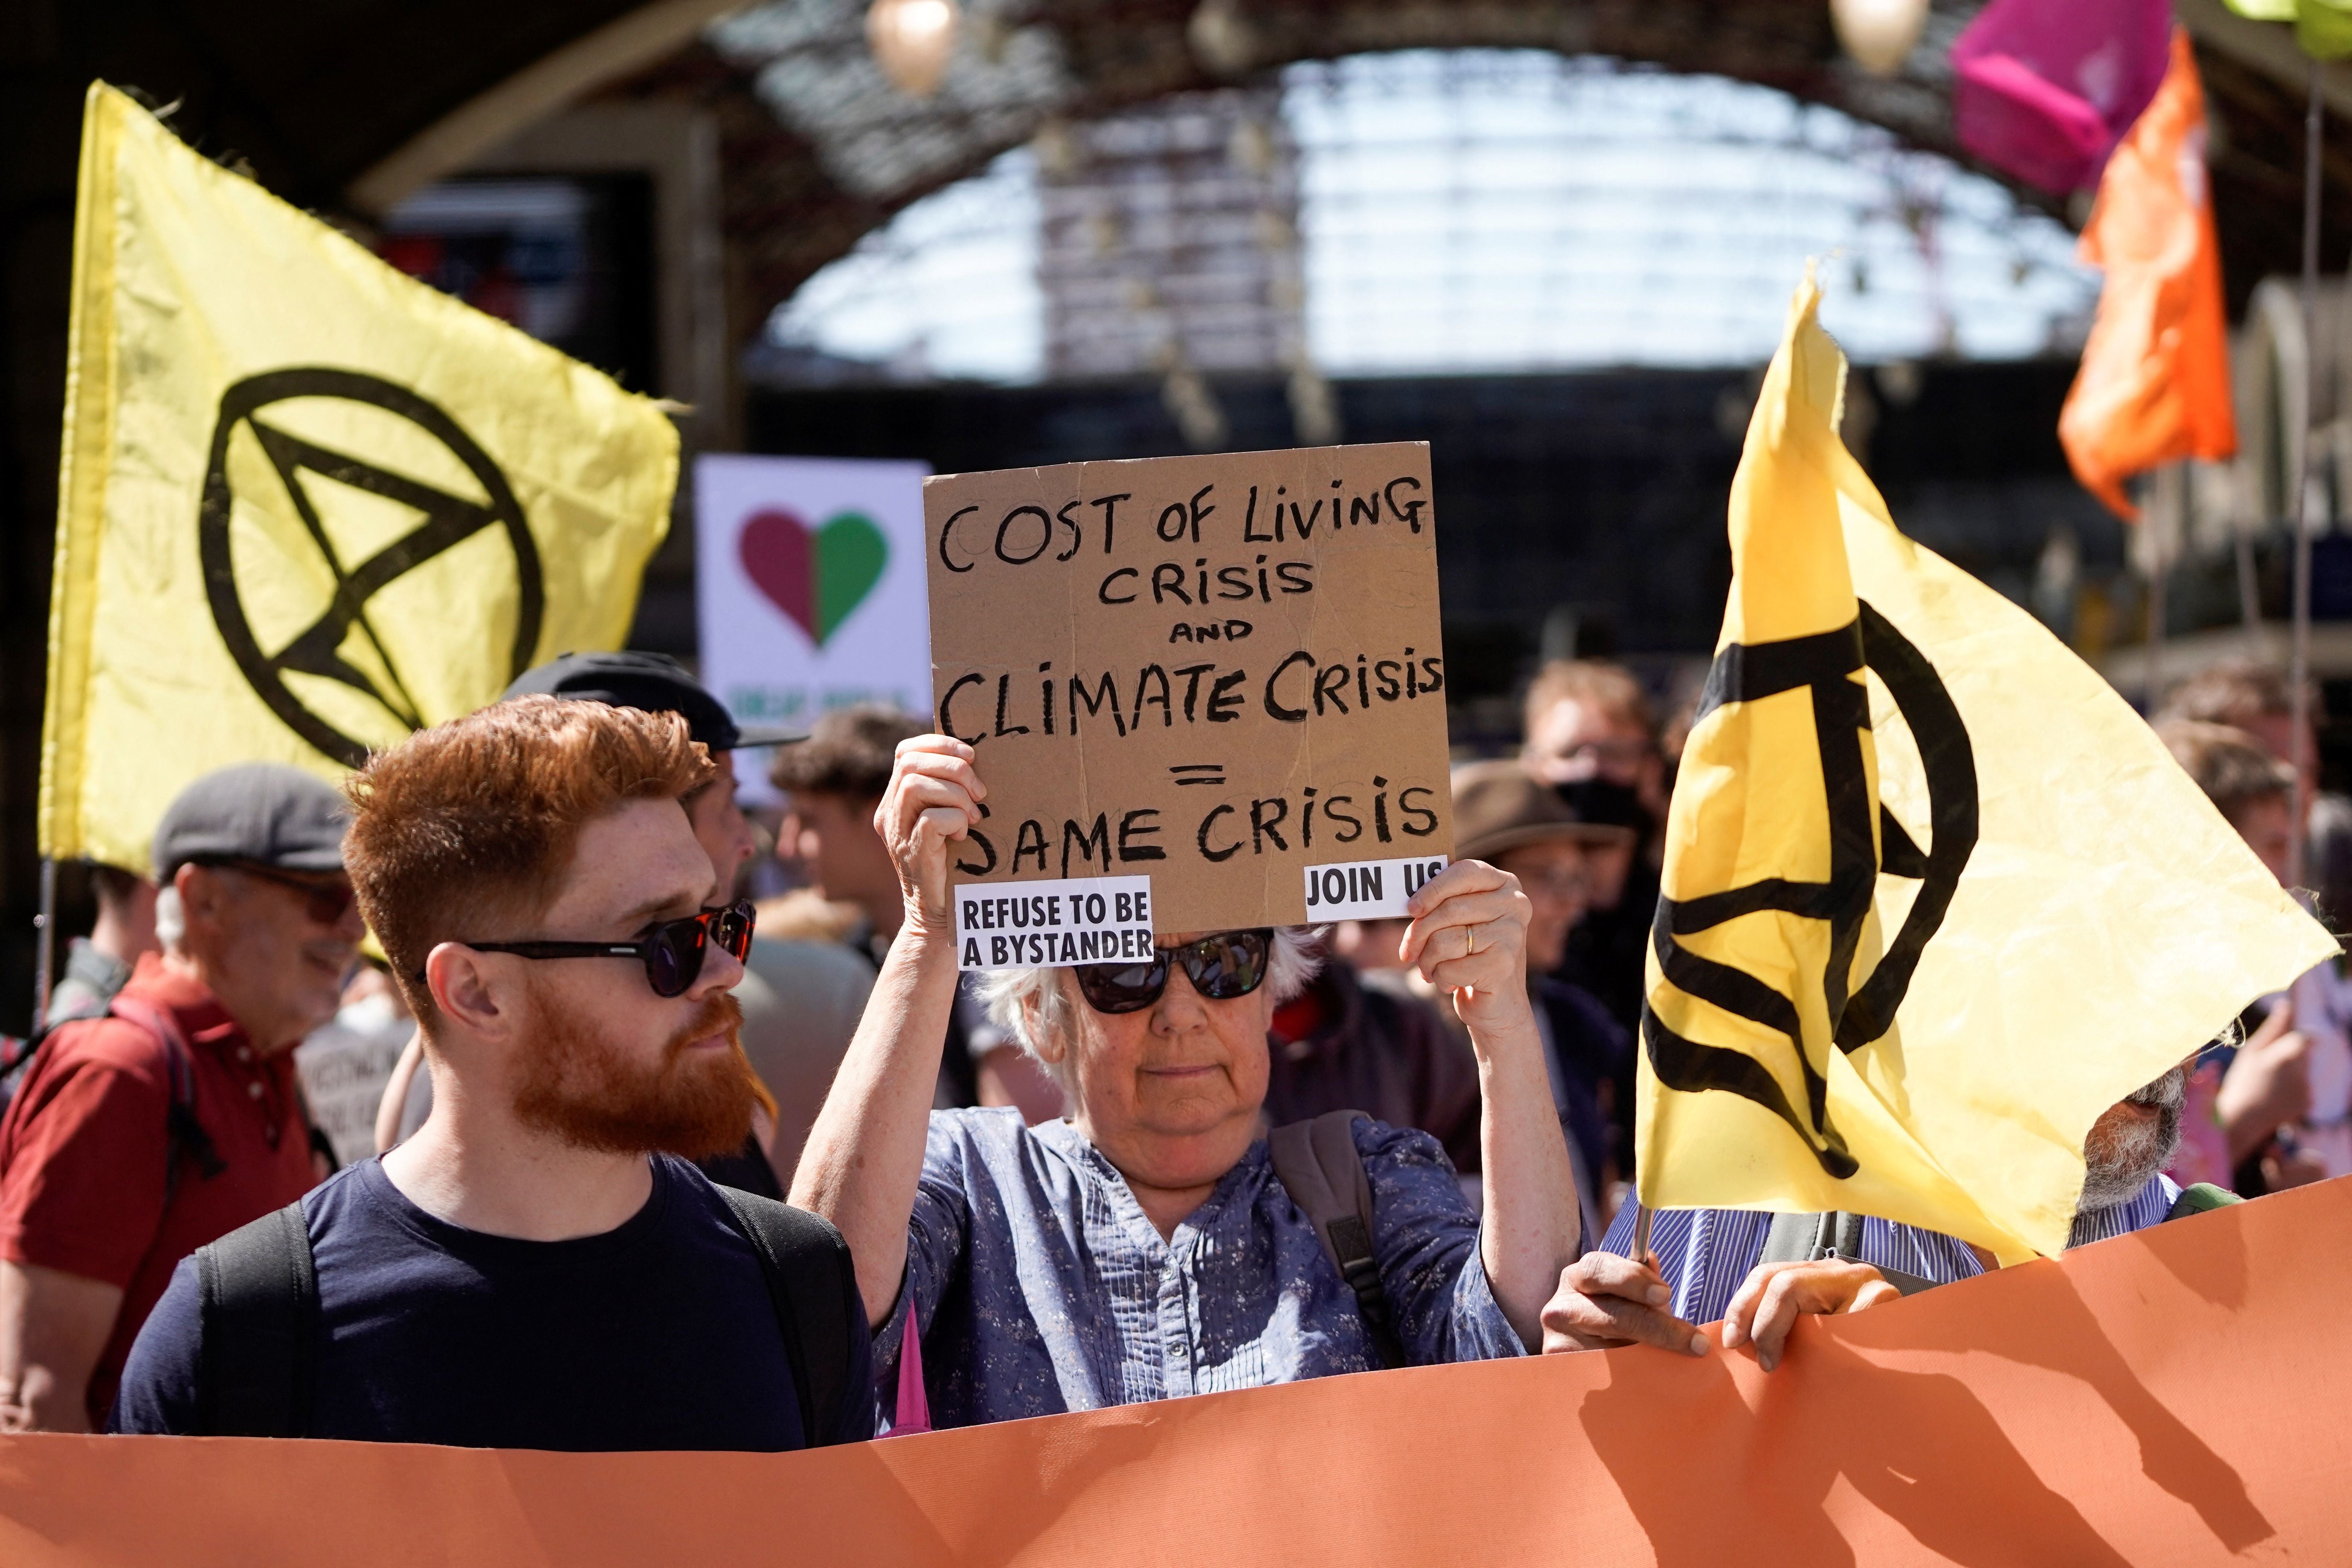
<point x="1934" y="897"/>
<point x="307" y="504"/>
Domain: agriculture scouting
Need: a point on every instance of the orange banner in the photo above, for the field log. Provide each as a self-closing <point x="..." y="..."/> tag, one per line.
<point x="2177" y="1396"/>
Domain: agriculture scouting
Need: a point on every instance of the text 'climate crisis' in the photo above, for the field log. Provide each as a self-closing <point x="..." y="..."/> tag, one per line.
<point x="1297" y="687"/>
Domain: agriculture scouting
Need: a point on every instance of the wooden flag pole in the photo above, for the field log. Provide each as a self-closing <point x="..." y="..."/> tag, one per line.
<point x="2299" y="671"/>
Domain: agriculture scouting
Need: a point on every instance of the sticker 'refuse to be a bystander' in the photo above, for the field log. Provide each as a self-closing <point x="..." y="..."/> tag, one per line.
<point x="1080" y="919"/>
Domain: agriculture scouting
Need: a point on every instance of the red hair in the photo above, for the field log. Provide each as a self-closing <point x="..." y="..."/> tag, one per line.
<point x="466" y="831"/>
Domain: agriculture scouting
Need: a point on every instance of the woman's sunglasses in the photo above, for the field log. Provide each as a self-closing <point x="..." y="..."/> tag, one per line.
<point x="671" y="952"/>
<point x="1221" y="967"/>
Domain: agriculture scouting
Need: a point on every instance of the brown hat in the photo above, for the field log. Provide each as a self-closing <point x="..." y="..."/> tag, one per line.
<point x="849" y="752"/>
<point x="1498" y="807"/>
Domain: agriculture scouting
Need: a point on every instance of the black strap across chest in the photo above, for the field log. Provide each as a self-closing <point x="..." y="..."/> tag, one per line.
<point x="258" y="1363"/>
<point x="812" y="1285"/>
<point x="1319" y="1164"/>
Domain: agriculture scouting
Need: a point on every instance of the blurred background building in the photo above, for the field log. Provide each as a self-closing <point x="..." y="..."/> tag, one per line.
<point x="1554" y="239"/>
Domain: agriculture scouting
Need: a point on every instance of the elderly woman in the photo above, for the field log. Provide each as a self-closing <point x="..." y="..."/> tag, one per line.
<point x="1143" y="1248"/>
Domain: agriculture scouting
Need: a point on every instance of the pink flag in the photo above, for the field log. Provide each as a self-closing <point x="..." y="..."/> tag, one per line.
<point x="2045" y="88"/>
<point x="914" y="1407"/>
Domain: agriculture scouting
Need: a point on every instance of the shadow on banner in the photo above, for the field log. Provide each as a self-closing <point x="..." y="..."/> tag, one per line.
<point x="2170" y="1397"/>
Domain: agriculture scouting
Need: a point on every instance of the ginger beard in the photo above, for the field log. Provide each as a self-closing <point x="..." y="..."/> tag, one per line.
<point x="587" y="1089"/>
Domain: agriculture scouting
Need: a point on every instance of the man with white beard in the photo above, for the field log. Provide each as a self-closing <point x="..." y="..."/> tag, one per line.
<point x="1759" y="1272"/>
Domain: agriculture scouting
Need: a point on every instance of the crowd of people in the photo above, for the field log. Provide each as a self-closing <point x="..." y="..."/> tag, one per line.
<point x="462" y="1106"/>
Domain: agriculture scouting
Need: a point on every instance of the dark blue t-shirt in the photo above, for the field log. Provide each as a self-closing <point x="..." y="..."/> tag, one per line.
<point x="660" y="1334"/>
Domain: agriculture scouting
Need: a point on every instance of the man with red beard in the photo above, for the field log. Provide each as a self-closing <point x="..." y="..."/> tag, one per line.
<point x="539" y="1266"/>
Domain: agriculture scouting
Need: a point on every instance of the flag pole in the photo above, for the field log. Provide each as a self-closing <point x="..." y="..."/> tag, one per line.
<point x="45" y="931"/>
<point x="2299" y="659"/>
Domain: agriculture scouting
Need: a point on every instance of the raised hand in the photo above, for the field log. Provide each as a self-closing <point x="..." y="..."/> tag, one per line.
<point x="2268" y="1084"/>
<point x="933" y="799"/>
<point x="1469" y="936"/>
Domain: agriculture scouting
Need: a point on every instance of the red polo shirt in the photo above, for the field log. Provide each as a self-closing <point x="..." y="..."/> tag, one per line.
<point x="84" y="1147"/>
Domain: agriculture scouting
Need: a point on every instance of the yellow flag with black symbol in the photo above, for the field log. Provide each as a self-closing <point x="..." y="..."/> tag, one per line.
<point x="1934" y="896"/>
<point x="307" y="504"/>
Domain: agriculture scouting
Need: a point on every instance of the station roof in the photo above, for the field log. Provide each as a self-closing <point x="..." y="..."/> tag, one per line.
<point x="350" y="104"/>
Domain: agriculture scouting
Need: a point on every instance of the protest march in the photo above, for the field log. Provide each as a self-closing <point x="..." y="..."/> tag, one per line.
<point x="938" y="782"/>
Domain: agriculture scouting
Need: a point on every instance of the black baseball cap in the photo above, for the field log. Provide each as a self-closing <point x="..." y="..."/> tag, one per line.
<point x="651" y="683"/>
<point x="255" y="814"/>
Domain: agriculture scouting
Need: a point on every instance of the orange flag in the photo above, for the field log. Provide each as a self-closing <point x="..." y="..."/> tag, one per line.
<point x="2155" y="381"/>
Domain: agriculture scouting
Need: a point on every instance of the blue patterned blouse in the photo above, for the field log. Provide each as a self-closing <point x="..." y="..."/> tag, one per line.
<point x="1042" y="1287"/>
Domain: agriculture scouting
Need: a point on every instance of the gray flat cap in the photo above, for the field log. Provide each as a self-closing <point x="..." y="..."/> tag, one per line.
<point x="264" y="813"/>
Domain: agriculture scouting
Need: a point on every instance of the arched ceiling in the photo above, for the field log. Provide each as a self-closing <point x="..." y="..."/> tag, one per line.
<point x="819" y="149"/>
<point x="352" y="104"/>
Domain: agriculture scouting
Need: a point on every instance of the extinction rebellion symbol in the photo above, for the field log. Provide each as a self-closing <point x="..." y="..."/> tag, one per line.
<point x="1826" y="664"/>
<point x="450" y="520"/>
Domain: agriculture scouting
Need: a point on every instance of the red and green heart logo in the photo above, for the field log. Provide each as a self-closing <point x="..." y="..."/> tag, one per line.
<point x="815" y="576"/>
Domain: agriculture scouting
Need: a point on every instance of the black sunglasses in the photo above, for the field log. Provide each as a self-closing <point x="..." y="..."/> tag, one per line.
<point x="328" y="900"/>
<point x="1222" y="965"/>
<point x="672" y="952"/>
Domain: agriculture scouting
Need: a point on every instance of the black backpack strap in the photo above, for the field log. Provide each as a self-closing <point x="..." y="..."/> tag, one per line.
<point x="1806" y="1237"/>
<point x="1795" y="1237"/>
<point x="812" y="1285"/>
<point x="258" y="1362"/>
<point x="187" y="1137"/>
<point x="1319" y="1164"/>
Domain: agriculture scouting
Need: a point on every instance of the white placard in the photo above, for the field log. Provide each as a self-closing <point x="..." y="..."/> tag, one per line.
<point x="809" y="586"/>
<point x="1366" y="890"/>
<point x="1081" y="920"/>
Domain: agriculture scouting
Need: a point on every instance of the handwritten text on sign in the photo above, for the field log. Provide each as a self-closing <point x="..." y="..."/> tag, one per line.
<point x="1213" y="671"/>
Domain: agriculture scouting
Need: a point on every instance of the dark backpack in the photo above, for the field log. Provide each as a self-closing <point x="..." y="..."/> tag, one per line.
<point x="1319" y="1164"/>
<point x="186" y="1142"/>
<point x="257" y="1366"/>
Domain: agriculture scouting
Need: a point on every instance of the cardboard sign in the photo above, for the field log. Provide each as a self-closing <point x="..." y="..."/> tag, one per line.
<point x="1219" y="673"/>
<point x="810" y="590"/>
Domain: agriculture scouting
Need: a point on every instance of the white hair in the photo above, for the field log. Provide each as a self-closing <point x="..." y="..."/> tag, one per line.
<point x="1031" y="1005"/>
<point x="171" y="919"/>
